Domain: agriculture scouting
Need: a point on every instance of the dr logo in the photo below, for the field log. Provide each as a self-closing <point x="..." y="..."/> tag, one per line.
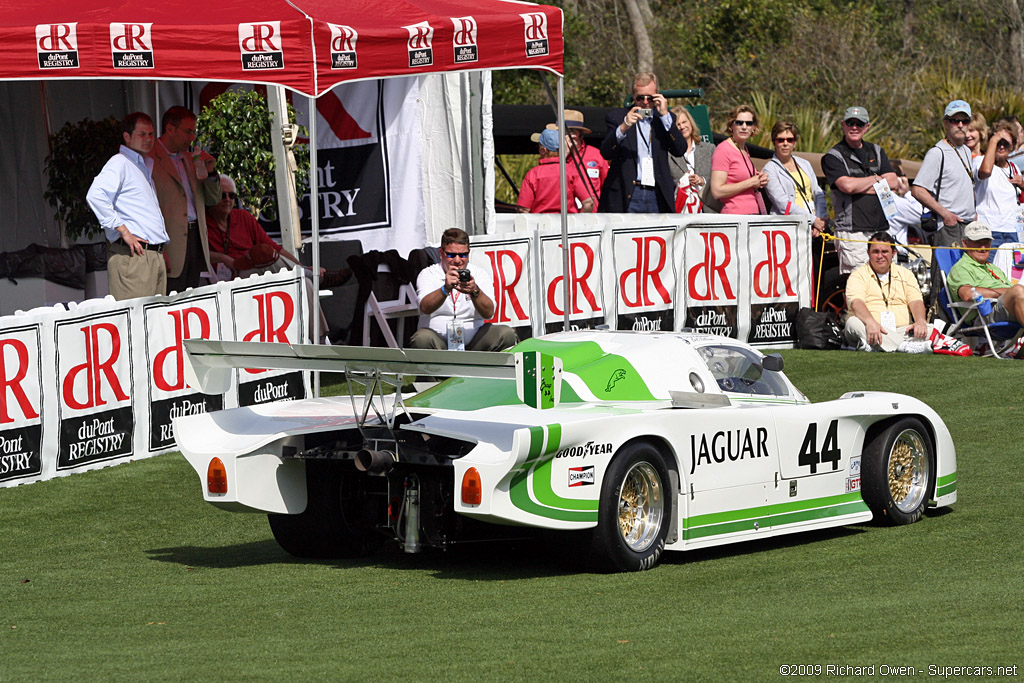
<point x="131" y="46"/>
<point x="261" y="46"/>
<point x="636" y="284"/>
<point x="343" y="47"/>
<point x="14" y="367"/>
<point x="101" y="343"/>
<point x="275" y="312"/>
<point x="507" y="266"/>
<point x="579" y="288"/>
<point x="129" y="37"/>
<point x="772" y="272"/>
<point x="536" y="33"/>
<point x="260" y="37"/>
<point x="709" y="280"/>
<point x="464" y="43"/>
<point x="189" y="323"/>
<point x="420" y="44"/>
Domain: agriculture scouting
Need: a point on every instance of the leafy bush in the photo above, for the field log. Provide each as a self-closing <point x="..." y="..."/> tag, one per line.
<point x="235" y="127"/>
<point x="78" y="153"/>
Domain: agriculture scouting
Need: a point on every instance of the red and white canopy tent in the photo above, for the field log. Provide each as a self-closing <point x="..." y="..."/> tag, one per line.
<point x="308" y="46"/>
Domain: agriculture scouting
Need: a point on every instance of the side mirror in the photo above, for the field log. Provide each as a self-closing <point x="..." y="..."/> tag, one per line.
<point x="772" y="362"/>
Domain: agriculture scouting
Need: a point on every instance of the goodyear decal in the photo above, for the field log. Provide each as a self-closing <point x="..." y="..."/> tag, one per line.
<point x="945" y="485"/>
<point x="775" y="516"/>
<point x="531" y="490"/>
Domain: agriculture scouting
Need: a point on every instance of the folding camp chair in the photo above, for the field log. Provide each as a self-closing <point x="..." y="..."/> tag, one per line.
<point x="999" y="335"/>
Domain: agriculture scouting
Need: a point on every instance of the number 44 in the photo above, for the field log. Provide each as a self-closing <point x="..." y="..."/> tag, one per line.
<point x="809" y="453"/>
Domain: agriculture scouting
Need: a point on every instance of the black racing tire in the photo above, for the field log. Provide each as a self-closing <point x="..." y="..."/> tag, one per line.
<point x="635" y="511"/>
<point x="338" y="519"/>
<point x="898" y="472"/>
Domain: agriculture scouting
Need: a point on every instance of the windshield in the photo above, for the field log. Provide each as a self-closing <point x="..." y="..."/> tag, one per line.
<point x="739" y="371"/>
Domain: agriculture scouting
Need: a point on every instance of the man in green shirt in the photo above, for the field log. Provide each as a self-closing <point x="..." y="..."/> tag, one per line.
<point x="973" y="271"/>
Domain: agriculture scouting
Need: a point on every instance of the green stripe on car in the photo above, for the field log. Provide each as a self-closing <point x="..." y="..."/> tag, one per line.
<point x="547" y="504"/>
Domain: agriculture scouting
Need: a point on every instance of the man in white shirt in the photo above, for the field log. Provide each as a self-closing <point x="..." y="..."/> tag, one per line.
<point x="124" y="200"/>
<point x="454" y="302"/>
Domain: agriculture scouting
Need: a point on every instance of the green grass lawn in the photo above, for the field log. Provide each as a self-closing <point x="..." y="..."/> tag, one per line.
<point x="125" y="574"/>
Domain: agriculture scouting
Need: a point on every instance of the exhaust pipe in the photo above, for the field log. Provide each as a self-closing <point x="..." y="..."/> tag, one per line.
<point x="375" y="462"/>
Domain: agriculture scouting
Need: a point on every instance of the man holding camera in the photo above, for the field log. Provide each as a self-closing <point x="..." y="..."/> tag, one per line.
<point x="639" y="140"/>
<point x="454" y="302"/>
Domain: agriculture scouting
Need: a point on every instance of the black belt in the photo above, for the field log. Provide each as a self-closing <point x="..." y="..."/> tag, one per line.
<point x="193" y="224"/>
<point x="149" y="247"/>
<point x="646" y="187"/>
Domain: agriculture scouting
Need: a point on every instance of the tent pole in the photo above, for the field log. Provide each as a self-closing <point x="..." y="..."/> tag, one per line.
<point x="566" y="276"/>
<point x="314" y="219"/>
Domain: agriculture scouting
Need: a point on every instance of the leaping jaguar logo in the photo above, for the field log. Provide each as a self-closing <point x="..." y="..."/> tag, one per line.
<point x="616" y="376"/>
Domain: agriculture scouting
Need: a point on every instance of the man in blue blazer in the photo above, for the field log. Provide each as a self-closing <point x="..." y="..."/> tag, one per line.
<point x="637" y="146"/>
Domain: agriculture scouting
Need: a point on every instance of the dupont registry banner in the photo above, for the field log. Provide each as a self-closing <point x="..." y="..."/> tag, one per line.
<point x="99" y="384"/>
<point x="738" y="276"/>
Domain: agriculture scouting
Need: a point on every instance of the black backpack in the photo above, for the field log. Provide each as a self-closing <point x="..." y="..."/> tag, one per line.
<point x="817" y="330"/>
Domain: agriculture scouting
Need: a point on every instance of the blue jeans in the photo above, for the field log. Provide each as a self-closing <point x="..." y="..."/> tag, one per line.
<point x="644" y="200"/>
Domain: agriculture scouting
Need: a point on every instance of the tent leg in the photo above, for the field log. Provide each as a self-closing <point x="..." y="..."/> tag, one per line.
<point x="566" y="275"/>
<point x="314" y="218"/>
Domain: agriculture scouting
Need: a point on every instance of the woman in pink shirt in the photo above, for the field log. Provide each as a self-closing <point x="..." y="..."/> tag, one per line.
<point x="734" y="180"/>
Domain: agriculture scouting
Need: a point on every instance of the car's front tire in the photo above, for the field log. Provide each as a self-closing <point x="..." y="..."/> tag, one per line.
<point x="337" y="521"/>
<point x="635" y="511"/>
<point x="898" y="472"/>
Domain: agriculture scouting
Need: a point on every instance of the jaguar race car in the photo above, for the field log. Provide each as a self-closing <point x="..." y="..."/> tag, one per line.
<point x="633" y="442"/>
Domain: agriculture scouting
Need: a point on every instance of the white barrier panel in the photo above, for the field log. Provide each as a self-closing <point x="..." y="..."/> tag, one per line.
<point x="739" y="276"/>
<point x="98" y="385"/>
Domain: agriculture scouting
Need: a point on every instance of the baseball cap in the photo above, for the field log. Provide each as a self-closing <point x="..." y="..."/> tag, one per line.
<point x="957" y="107"/>
<point x="859" y="113"/>
<point x="976" y="230"/>
<point x="548" y="139"/>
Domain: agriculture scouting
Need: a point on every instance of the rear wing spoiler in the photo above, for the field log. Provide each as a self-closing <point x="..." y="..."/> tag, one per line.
<point x="210" y="365"/>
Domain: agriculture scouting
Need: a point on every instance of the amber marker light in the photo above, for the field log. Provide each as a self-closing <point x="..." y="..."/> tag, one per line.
<point x="471" y="487"/>
<point x="216" y="477"/>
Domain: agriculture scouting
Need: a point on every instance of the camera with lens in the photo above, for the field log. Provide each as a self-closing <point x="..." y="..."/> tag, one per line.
<point x="464" y="275"/>
<point x="645" y="112"/>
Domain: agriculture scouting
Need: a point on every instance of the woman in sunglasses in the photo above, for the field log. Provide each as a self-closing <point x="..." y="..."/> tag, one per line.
<point x="792" y="187"/>
<point x="999" y="185"/>
<point x="734" y="180"/>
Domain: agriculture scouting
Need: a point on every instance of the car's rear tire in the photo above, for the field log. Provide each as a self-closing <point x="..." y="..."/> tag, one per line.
<point x="898" y="472"/>
<point x="635" y="512"/>
<point x="338" y="519"/>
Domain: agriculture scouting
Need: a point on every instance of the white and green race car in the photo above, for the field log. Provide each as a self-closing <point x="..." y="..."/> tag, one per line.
<point x="633" y="442"/>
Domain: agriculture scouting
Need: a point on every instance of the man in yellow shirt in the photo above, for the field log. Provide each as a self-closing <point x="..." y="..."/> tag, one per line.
<point x="887" y="311"/>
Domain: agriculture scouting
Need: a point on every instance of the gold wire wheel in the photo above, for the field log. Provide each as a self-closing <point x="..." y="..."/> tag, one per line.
<point x="641" y="506"/>
<point x="908" y="471"/>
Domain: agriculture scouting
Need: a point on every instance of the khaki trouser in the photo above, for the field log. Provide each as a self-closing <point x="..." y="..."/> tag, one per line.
<point x="130" y="276"/>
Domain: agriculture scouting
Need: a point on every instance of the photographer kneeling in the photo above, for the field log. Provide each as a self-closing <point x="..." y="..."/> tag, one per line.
<point x="454" y="303"/>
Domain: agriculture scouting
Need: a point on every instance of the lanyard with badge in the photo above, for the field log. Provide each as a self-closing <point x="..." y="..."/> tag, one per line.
<point x="456" y="340"/>
<point x="888" y="318"/>
<point x="647" y="162"/>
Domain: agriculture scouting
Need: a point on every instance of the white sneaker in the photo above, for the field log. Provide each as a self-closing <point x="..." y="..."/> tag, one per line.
<point x="914" y="346"/>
